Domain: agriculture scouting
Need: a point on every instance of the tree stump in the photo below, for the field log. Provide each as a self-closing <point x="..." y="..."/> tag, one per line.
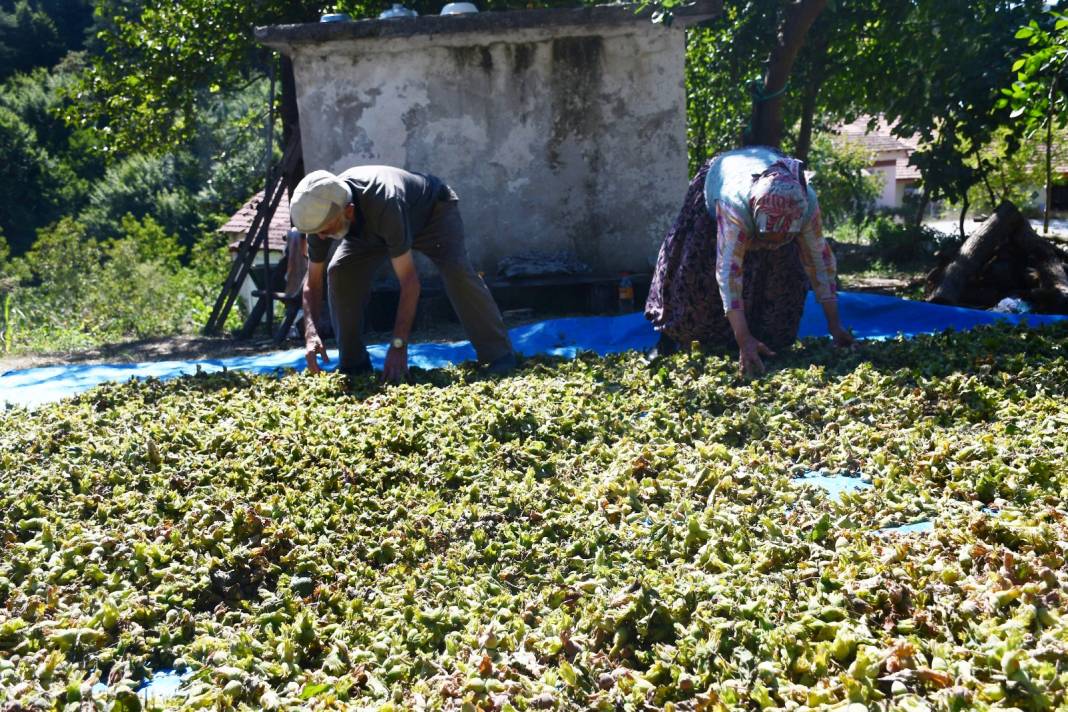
<point x="976" y="252"/>
<point x="1051" y="294"/>
<point x="1003" y="258"/>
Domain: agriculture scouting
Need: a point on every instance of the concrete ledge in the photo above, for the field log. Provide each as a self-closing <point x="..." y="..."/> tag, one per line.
<point x="286" y="37"/>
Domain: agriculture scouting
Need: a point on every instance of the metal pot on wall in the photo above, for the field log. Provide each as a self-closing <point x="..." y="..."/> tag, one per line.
<point x="398" y="10"/>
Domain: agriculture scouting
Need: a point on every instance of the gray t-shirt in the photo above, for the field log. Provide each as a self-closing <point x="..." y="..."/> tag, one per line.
<point x="392" y="205"/>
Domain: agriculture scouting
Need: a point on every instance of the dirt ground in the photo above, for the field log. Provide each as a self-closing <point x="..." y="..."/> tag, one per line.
<point x="193" y="347"/>
<point x="903" y="284"/>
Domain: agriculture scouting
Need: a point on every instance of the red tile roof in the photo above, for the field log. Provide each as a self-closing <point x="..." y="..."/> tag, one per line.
<point x="880" y="140"/>
<point x="907" y="172"/>
<point x="241" y="221"/>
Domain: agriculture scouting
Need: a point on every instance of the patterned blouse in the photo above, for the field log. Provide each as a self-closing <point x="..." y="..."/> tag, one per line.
<point x="726" y="193"/>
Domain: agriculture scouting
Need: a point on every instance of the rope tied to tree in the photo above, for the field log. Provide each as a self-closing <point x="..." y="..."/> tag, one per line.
<point x="756" y="90"/>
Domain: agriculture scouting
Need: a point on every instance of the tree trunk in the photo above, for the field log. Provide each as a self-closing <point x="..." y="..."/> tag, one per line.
<point x="766" y="127"/>
<point x="963" y="214"/>
<point x="1049" y="157"/>
<point x="1052" y="293"/>
<point x="290" y="124"/>
<point x="925" y="200"/>
<point x="808" y="100"/>
<point x="976" y="252"/>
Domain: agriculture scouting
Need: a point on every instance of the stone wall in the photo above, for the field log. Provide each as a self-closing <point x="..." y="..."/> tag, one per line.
<point x="559" y="129"/>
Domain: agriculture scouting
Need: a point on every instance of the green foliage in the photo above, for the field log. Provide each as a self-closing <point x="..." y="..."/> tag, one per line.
<point x="34" y="97"/>
<point x="71" y="290"/>
<point x="846" y="191"/>
<point x="229" y="150"/>
<point x="165" y="61"/>
<point x="145" y="185"/>
<point x="193" y="189"/>
<point x="42" y="163"/>
<point x="58" y="273"/>
<point x="933" y="68"/>
<point x="584" y="535"/>
<point x="1014" y="170"/>
<point x="39" y="33"/>
<point x="721" y="56"/>
<point x="1039" y="96"/>
<point x="901" y="244"/>
<point x="1040" y="92"/>
<point x="35" y="185"/>
<point x="28" y="39"/>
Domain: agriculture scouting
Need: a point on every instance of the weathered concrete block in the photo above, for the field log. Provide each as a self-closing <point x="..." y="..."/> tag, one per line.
<point x="559" y="129"/>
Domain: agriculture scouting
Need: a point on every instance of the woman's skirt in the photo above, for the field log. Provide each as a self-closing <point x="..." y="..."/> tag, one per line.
<point x="684" y="302"/>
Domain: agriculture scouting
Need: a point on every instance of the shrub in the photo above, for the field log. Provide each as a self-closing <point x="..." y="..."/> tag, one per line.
<point x="846" y="191"/>
<point x="72" y="291"/>
<point x="27" y="173"/>
<point x="902" y="244"/>
<point x="143" y="185"/>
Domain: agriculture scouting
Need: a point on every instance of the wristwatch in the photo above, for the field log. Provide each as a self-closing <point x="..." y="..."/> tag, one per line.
<point x="397" y="343"/>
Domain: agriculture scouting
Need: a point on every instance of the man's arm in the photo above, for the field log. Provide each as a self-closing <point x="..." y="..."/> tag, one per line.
<point x="396" y="366"/>
<point x="313" y="306"/>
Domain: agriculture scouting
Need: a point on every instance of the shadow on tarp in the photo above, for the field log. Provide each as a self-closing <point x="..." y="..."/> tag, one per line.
<point x="871" y="316"/>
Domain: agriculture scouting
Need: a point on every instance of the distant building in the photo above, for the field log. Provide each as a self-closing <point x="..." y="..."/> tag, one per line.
<point x="889" y="158"/>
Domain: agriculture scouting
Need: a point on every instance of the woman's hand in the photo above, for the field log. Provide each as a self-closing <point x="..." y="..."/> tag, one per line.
<point x="749" y="362"/>
<point x="750" y="349"/>
<point x="843" y="338"/>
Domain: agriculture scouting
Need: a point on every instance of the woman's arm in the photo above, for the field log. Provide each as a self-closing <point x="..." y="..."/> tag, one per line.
<point x="822" y="270"/>
<point x="732" y="242"/>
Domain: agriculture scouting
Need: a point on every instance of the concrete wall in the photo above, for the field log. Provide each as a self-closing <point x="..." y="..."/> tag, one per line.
<point x="559" y="131"/>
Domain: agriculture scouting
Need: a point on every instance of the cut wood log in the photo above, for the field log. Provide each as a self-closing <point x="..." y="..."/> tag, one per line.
<point x="976" y="252"/>
<point x="932" y="279"/>
<point x="1051" y="295"/>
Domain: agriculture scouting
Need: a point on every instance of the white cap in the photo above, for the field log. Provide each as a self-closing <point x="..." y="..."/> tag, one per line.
<point x="319" y="198"/>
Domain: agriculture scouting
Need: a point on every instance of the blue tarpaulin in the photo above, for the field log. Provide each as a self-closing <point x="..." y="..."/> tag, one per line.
<point x="870" y="316"/>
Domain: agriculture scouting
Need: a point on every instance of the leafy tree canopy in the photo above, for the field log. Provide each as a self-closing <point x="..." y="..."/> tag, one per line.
<point x="163" y="61"/>
<point x="933" y="68"/>
<point x="39" y="33"/>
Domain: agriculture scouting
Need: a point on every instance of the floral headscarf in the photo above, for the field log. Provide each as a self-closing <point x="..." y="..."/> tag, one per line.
<point x="778" y="198"/>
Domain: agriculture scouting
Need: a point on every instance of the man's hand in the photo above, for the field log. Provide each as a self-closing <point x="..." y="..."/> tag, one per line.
<point x="843" y="338"/>
<point x="313" y="305"/>
<point x="313" y="348"/>
<point x="396" y="368"/>
<point x="749" y="361"/>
